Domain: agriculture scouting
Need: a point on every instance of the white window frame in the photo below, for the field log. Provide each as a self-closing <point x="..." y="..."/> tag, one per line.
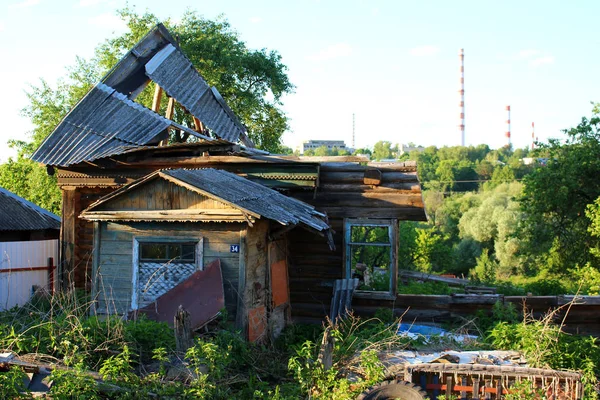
<point x="157" y="239"/>
<point x="392" y="225"/>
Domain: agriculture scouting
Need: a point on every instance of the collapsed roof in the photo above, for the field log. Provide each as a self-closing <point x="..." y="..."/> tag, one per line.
<point x="108" y="122"/>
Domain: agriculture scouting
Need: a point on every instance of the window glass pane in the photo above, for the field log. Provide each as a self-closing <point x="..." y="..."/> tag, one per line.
<point x="369" y="234"/>
<point x="188" y="252"/>
<point x="153" y="251"/>
<point x="168" y="251"/>
<point x="174" y="251"/>
<point x="371" y="265"/>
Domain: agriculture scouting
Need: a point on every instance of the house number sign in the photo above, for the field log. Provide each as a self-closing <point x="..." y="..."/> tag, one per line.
<point x="234" y="248"/>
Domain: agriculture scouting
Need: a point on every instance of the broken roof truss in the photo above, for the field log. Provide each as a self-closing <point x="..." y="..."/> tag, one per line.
<point x="108" y="122"/>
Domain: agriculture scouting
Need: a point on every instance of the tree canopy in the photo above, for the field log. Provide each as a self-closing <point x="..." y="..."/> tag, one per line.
<point x="557" y="196"/>
<point x="252" y="82"/>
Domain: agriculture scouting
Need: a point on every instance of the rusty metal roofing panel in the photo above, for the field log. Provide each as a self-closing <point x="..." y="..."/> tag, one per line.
<point x="202" y="295"/>
<point x="251" y="196"/>
<point x="18" y="214"/>
<point x="171" y="69"/>
<point x="105" y="122"/>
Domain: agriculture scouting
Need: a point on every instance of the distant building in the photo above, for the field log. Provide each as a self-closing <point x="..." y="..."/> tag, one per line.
<point x="330" y="144"/>
<point x="407" y="148"/>
<point x="538" y="160"/>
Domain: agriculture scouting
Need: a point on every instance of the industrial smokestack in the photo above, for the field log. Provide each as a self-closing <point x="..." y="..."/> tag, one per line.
<point x="508" y="126"/>
<point x="532" y="136"/>
<point x="461" y="55"/>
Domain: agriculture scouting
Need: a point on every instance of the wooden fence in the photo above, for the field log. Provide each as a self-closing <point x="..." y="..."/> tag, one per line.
<point x="579" y="315"/>
<point x="23" y="266"/>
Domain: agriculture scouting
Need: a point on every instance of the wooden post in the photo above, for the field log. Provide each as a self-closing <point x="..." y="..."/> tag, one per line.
<point x="475" y="389"/>
<point x="326" y="351"/>
<point x="168" y="115"/>
<point x="183" y="331"/>
<point x="157" y="97"/>
<point x="199" y="126"/>
<point x="51" y="275"/>
<point x="449" y="387"/>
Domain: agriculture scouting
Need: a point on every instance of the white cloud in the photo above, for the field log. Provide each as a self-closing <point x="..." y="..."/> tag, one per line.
<point x="89" y="3"/>
<point x="541" y="61"/>
<point x="334" y="51"/>
<point x="108" y="20"/>
<point x="25" y="4"/>
<point x="256" y="20"/>
<point x="422" y="51"/>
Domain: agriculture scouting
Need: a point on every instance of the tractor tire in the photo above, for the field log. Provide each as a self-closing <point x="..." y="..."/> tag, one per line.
<point x="395" y="389"/>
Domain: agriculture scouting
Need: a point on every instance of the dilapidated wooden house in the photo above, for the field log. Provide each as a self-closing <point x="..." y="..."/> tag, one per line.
<point x="139" y="215"/>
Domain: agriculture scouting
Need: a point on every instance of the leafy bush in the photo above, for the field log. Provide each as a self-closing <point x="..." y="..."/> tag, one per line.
<point x="12" y="384"/>
<point x="73" y="384"/>
<point x="427" y="287"/>
<point x="545" y="345"/>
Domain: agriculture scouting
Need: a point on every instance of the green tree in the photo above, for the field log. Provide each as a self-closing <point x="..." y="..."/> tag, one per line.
<point x="252" y="82"/>
<point x="322" y="151"/>
<point x="382" y="150"/>
<point x="557" y="195"/>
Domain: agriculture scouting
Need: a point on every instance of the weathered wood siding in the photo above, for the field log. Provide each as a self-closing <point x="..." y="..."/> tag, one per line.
<point x="113" y="280"/>
<point x="343" y="193"/>
<point x="77" y="237"/>
<point x="160" y="194"/>
<point x="346" y="190"/>
<point x="313" y="269"/>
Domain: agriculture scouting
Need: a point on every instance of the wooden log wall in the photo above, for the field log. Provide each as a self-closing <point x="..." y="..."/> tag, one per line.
<point x="349" y="190"/>
<point x="77" y="237"/>
<point x="346" y="190"/>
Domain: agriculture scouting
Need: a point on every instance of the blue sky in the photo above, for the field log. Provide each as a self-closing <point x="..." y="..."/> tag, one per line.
<point x="392" y="63"/>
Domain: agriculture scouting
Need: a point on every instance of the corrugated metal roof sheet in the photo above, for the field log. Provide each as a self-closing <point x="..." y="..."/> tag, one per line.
<point x="250" y="197"/>
<point x="172" y="71"/>
<point x="105" y="122"/>
<point x="18" y="214"/>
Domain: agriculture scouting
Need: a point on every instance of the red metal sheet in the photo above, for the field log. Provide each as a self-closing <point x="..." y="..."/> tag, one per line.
<point x="279" y="283"/>
<point x="201" y="295"/>
<point x="257" y="323"/>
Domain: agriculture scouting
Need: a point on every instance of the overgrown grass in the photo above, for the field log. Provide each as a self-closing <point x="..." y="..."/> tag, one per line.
<point x="136" y="358"/>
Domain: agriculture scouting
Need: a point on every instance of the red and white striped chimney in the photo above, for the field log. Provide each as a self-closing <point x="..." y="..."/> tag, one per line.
<point x="461" y="55"/>
<point x="532" y="136"/>
<point x="508" y="126"/>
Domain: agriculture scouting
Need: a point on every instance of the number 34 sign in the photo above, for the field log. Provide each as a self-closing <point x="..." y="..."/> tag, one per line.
<point x="234" y="248"/>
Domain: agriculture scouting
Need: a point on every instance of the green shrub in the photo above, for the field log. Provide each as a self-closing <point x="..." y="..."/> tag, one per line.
<point x="545" y="345"/>
<point x="73" y="384"/>
<point x="145" y="335"/>
<point x="12" y="384"/>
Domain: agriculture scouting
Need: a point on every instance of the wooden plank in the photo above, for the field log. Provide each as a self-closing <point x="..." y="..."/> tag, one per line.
<point x="400" y="213"/>
<point x="357" y="177"/>
<point x="157" y="97"/>
<point x="70" y="199"/>
<point x="372" y="177"/>
<point x="208" y="215"/>
<point x="331" y="159"/>
<point x="241" y="320"/>
<point x="394" y="187"/>
<point x="95" y="264"/>
<point x="368" y="199"/>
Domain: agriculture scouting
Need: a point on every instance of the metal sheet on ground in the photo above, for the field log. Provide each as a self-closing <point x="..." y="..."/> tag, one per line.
<point x="202" y="295"/>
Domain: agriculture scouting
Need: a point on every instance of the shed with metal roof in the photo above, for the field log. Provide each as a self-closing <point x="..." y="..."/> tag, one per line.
<point x="151" y="235"/>
<point x="21" y="220"/>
